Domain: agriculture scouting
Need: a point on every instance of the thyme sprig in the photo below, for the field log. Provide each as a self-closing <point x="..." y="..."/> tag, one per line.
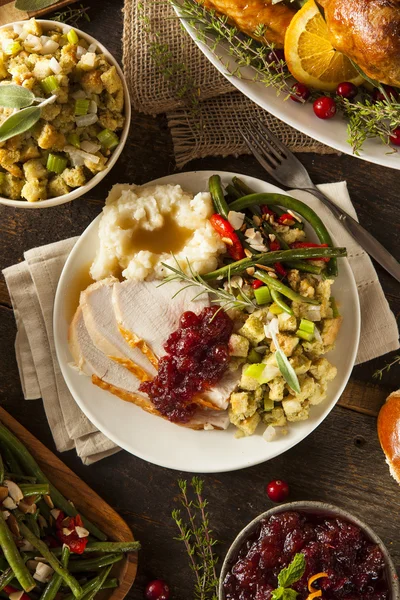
<point x="72" y="16"/>
<point x="380" y="372"/>
<point x="197" y="537"/>
<point x="225" y="298"/>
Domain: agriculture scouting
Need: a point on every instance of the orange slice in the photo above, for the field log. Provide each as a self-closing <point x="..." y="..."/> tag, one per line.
<point x="310" y="56"/>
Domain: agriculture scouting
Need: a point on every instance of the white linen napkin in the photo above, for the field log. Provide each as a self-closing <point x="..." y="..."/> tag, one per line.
<point x="32" y="286"/>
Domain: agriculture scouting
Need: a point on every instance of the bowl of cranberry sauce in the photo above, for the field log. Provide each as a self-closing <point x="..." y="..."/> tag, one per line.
<point x="350" y="560"/>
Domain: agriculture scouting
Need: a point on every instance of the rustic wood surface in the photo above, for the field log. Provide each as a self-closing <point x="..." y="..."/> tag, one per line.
<point x="8" y="12"/>
<point x="341" y="462"/>
<point x="85" y="499"/>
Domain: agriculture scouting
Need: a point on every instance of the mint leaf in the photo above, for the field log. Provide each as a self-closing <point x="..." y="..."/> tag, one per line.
<point x="15" y="96"/>
<point x="289" y="594"/>
<point x="292" y="572"/>
<point x="278" y="594"/>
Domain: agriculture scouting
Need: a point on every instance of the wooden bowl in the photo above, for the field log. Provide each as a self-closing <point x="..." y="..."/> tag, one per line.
<point x="86" y="501"/>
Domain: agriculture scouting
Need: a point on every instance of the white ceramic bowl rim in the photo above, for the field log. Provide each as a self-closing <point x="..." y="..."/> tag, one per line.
<point x="80" y="191"/>
<point x="313" y="507"/>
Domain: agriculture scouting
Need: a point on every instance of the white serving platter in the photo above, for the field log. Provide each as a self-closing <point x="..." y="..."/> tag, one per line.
<point x="161" y="442"/>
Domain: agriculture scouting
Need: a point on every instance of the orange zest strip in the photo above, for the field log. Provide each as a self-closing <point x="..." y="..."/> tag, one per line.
<point x="137" y="371"/>
<point x="136" y="342"/>
<point x="316" y="594"/>
<point x="313" y="592"/>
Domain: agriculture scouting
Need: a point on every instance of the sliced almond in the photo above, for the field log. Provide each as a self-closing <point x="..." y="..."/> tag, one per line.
<point x="16" y="595"/>
<point x="248" y="253"/>
<point x="14" y="490"/>
<point x="3" y="492"/>
<point x="43" y="572"/>
<point x="42" y="521"/>
<point x="67" y="531"/>
<point x="5" y="514"/>
<point x="9" y="503"/>
<point x="81" y="531"/>
<point x="250" y="271"/>
<point x="27" y="508"/>
<point x="227" y="241"/>
<point x="32" y="564"/>
<point x="13" y="525"/>
<point x="256" y="220"/>
<point x="55" y="513"/>
<point x="48" y="501"/>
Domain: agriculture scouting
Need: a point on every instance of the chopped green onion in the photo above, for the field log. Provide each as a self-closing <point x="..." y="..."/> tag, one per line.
<point x="263" y="295"/>
<point x="305" y="335"/>
<point x="12" y="48"/>
<point x="56" y="163"/>
<point x="73" y="139"/>
<point x="307" y="326"/>
<point x="72" y="36"/>
<point x="275" y="309"/>
<point x="49" y="84"/>
<point x="81" y="106"/>
<point x="334" y="307"/>
<point x="268" y="404"/>
<point x="108" y="139"/>
<point x="254" y="356"/>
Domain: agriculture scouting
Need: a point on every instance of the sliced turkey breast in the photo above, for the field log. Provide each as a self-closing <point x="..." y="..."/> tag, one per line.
<point x="219" y="394"/>
<point x="152" y="312"/>
<point x="101" y="324"/>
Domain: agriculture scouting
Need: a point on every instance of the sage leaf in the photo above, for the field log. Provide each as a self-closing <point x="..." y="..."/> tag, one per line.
<point x="15" y="96"/>
<point x="32" y="5"/>
<point x="293" y="572"/>
<point x="288" y="373"/>
<point x="19" y="122"/>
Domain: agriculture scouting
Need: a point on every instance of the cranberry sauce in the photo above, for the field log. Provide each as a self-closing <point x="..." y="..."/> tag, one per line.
<point x="354" y="565"/>
<point x="197" y="356"/>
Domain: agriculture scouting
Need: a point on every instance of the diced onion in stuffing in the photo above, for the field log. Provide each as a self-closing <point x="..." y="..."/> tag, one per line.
<point x="80" y="51"/>
<point x="92" y="48"/>
<point x="79" y="94"/>
<point x="17" y="27"/>
<point x="86" y="120"/>
<point x="92" y="110"/>
<point x="90" y="147"/>
<point x="270" y="372"/>
<point x="49" y="47"/>
<point x="312" y="312"/>
<point x="317" y="335"/>
<point x="236" y="219"/>
<point x="72" y="151"/>
<point x="88" y="59"/>
<point x="269" y="434"/>
<point x="55" y="65"/>
<point x="33" y="42"/>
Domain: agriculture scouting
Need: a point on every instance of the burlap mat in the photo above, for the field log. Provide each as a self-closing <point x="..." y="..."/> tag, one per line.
<point x="167" y="73"/>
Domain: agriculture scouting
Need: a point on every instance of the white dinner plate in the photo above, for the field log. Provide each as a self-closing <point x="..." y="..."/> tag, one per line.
<point x="332" y="132"/>
<point x="168" y="445"/>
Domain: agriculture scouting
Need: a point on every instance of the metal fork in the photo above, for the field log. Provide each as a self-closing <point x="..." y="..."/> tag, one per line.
<point x="285" y="168"/>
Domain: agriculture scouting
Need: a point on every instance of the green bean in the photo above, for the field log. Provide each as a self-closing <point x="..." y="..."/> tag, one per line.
<point x="11" y="460"/>
<point x="6" y="578"/>
<point x="268" y="258"/>
<point x="291" y="203"/>
<point x="301" y="265"/>
<point x="233" y="192"/>
<point x="282" y="288"/>
<point x="51" y="559"/>
<point x="92" y="564"/>
<point x="32" y="524"/>
<point x="17" y="449"/>
<point x="34" y="489"/>
<point x="112" y="546"/>
<point x="277" y="298"/>
<point x="51" y="589"/>
<point x="14" y="558"/>
<point x="17" y="478"/>
<point x="242" y="187"/>
<point x="90" y="585"/>
<point x="217" y="195"/>
<point x="102" y="578"/>
<point x="1" y="470"/>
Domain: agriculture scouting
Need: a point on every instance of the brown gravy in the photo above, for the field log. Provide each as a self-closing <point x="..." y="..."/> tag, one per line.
<point x="168" y="238"/>
<point x="79" y="283"/>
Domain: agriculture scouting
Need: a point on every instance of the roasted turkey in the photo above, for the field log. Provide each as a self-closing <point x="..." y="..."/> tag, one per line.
<point x="368" y="32"/>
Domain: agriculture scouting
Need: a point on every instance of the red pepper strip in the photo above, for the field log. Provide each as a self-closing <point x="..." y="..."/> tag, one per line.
<point x="9" y="589"/>
<point x="280" y="270"/>
<point x="267" y="211"/>
<point x="275" y="245"/>
<point x="283" y="219"/>
<point x="311" y="245"/>
<point x="73" y="541"/>
<point x="225" y="230"/>
<point x="256" y="283"/>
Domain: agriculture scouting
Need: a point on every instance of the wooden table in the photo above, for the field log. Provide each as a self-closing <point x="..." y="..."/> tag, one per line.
<point x="341" y="462"/>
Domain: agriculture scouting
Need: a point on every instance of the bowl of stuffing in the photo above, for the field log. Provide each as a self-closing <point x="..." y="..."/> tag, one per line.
<point x="308" y="550"/>
<point x="64" y="113"/>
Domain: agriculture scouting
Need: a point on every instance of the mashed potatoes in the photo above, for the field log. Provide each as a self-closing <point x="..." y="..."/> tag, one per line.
<point x="141" y="227"/>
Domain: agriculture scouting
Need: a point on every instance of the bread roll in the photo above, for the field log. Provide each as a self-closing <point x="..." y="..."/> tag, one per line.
<point x="389" y="432"/>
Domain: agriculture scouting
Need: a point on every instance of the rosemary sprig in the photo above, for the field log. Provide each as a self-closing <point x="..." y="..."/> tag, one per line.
<point x="72" y="16"/>
<point x="226" y="298"/>
<point x="197" y="538"/>
<point x="380" y="372"/>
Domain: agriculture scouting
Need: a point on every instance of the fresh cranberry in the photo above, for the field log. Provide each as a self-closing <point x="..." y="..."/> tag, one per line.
<point x="301" y="92"/>
<point x="278" y="490"/>
<point x="188" y="319"/>
<point x="395" y="137"/>
<point x="325" y="107"/>
<point x="157" y="590"/>
<point x="377" y="95"/>
<point x="220" y="353"/>
<point x="346" y="89"/>
<point x="275" y="57"/>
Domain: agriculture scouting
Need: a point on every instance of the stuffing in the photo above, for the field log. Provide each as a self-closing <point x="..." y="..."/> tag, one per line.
<point x="313" y="349"/>
<point x="319" y="393"/>
<point x="243" y="404"/>
<point x="68" y="59"/>
<point x="294" y="279"/>
<point x="29" y="150"/>
<point x="287" y="343"/>
<point x="111" y="121"/>
<point x="330" y="330"/>
<point x="322" y="370"/>
<point x="276" y="388"/>
<point x="74" y="177"/>
<point x="92" y="82"/>
<point x="300" y="363"/>
<point x="42" y="69"/>
<point x="294" y="235"/>
<point x="57" y="187"/>
<point x="295" y="410"/>
<point x="111" y="80"/>
<point x="306" y="389"/>
<point x="307" y="287"/>
<point x="50" y="112"/>
<point x="115" y="103"/>
<point x="323" y="296"/>
<point x="287" y="322"/>
<point x="34" y="169"/>
<point x="34" y="190"/>
<point x="248" y="383"/>
<point x="249" y="425"/>
<point x="238" y="345"/>
<point x="50" y="139"/>
<point x="9" y="160"/>
<point x="96" y="167"/>
<point x="253" y="330"/>
<point x="12" y="186"/>
<point x="276" y="417"/>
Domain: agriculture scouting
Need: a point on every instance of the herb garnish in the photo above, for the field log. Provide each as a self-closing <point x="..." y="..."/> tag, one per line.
<point x="72" y="16"/>
<point x="197" y="537"/>
<point x="287" y="577"/>
<point x="18" y="97"/>
<point x="379" y="373"/>
<point x="32" y="5"/>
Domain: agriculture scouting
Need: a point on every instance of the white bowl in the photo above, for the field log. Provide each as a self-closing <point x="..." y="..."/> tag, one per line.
<point x="314" y="508"/>
<point x="80" y="191"/>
